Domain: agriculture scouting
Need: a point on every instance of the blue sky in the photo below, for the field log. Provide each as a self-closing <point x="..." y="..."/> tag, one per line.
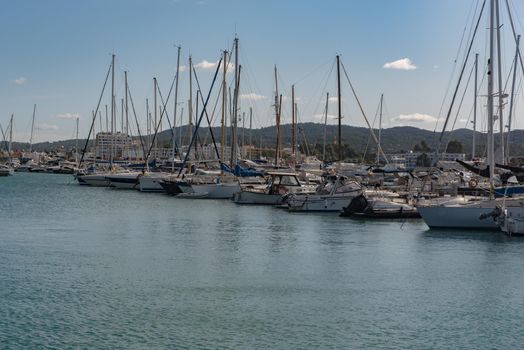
<point x="56" y="53"/>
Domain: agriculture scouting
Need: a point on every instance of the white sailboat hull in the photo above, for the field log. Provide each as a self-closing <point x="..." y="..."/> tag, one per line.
<point x="95" y="180"/>
<point x="151" y="182"/>
<point x="456" y="217"/>
<point x="217" y="191"/>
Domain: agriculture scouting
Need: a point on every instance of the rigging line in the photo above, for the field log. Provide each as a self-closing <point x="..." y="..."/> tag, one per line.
<point x="201" y="116"/>
<point x="218" y="99"/>
<point x="459" y="107"/>
<point x="460" y="76"/>
<point x="94" y="116"/>
<point x="205" y="111"/>
<point x="171" y="128"/>
<point x="369" y="136"/>
<point x="455" y="65"/>
<point x="164" y="111"/>
<point x="363" y="113"/>
<point x="140" y="136"/>
<point x="514" y="33"/>
<point x="321" y="90"/>
<point x="314" y="70"/>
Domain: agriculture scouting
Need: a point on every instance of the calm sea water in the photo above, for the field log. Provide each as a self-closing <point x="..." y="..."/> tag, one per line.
<point x="88" y="267"/>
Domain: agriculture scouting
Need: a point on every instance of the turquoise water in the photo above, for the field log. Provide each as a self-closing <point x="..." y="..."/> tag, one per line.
<point x="88" y="267"/>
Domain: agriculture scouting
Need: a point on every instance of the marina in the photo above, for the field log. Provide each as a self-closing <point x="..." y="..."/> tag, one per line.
<point x="99" y="267"/>
<point x="334" y="180"/>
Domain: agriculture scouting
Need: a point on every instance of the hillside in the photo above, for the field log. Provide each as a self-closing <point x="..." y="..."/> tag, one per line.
<point x="394" y="140"/>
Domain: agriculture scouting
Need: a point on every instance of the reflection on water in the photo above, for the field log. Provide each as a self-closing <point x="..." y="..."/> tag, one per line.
<point x="99" y="268"/>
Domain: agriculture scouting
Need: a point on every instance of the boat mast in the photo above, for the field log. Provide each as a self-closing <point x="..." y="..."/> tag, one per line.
<point x="112" y="110"/>
<point x="76" y="143"/>
<point x="10" y="139"/>
<point x="512" y="97"/>
<point x="475" y="107"/>
<point x="325" y="128"/>
<point x="176" y="104"/>
<point x="250" y="131"/>
<point x="491" y="146"/>
<point x="277" y="151"/>
<point x="379" y="128"/>
<point x="339" y="99"/>
<point x="32" y="128"/>
<point x="234" y="120"/>
<point x="127" y="105"/>
<point x="190" y="102"/>
<point x="500" y="95"/>
<point x="224" y="99"/>
<point x="155" y="107"/>
<point x="276" y="117"/>
<point x="293" y="121"/>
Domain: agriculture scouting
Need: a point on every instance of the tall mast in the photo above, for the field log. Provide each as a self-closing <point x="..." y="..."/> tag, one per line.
<point x="10" y="138"/>
<point x="112" y="109"/>
<point x="512" y="97"/>
<point x="224" y="99"/>
<point x="76" y="143"/>
<point x="293" y="141"/>
<point x="380" y="128"/>
<point x="339" y="100"/>
<point x="491" y="146"/>
<point x="250" y="131"/>
<point x="148" y="124"/>
<point x="500" y="95"/>
<point x="190" y="103"/>
<point x="127" y="105"/>
<point x="474" y="147"/>
<point x="155" y="107"/>
<point x="325" y="128"/>
<point x="277" y="118"/>
<point x="277" y="150"/>
<point x="176" y="104"/>
<point x="32" y="128"/>
<point x="234" y="120"/>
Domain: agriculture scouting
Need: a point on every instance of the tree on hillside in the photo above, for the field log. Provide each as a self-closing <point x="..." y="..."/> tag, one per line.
<point x="455" y="146"/>
<point x="423" y="160"/>
<point x="423" y="147"/>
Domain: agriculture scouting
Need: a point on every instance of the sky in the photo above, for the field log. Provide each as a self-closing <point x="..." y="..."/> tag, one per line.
<point x="56" y="54"/>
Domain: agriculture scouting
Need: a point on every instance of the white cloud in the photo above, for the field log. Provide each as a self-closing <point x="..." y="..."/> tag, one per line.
<point x="206" y="65"/>
<point x="414" y="118"/>
<point x="68" y="116"/>
<point x="402" y="64"/>
<point x="333" y="99"/>
<point x="20" y="81"/>
<point x="44" y="126"/>
<point x="252" y="96"/>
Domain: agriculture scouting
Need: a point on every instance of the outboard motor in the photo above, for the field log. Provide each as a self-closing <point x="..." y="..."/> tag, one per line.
<point x="357" y="205"/>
